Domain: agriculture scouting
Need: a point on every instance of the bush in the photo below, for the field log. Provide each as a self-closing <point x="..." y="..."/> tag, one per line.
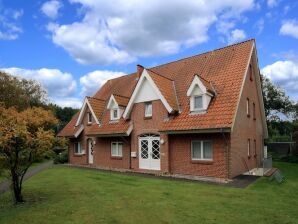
<point x="61" y="157"/>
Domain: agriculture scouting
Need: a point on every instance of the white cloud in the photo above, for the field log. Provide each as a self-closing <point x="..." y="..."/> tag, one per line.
<point x="259" y="25"/>
<point x="9" y="27"/>
<point x="290" y="28"/>
<point x="272" y="3"/>
<point x="119" y="31"/>
<point x="68" y="102"/>
<point x="236" y="36"/>
<point x="92" y="81"/>
<point x="59" y="85"/>
<point x="285" y="74"/>
<point x="51" y="8"/>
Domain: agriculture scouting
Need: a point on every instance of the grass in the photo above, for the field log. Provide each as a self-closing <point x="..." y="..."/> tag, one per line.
<point x="71" y="195"/>
<point x="4" y="174"/>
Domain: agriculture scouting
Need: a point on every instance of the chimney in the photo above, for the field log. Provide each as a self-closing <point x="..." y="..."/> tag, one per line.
<point x="140" y="69"/>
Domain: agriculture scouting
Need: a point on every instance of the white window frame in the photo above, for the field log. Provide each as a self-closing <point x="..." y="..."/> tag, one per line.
<point x="112" y="114"/>
<point x="80" y="149"/>
<point x="89" y="117"/>
<point x="202" y="150"/>
<point x="248" y="147"/>
<point x="247" y="107"/>
<point x="146" y="112"/>
<point x="194" y="103"/>
<point x="119" y="153"/>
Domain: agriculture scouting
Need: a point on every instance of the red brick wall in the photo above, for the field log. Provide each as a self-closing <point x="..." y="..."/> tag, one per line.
<point x="142" y="125"/>
<point x="180" y="156"/>
<point x="246" y="127"/>
<point x="102" y="153"/>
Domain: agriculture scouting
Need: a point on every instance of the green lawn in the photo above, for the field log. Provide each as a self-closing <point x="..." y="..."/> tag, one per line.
<point x="71" y="195"/>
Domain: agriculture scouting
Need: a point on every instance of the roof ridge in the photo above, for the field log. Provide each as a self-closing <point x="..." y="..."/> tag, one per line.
<point x="207" y="52"/>
<point x="159" y="74"/>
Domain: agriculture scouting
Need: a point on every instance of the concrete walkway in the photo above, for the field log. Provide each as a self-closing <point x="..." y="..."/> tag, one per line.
<point x="5" y="185"/>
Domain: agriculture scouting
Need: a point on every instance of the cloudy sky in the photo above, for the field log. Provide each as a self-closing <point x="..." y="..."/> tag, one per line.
<point x="73" y="46"/>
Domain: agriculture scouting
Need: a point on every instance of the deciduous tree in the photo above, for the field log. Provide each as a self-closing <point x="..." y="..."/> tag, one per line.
<point x="24" y="137"/>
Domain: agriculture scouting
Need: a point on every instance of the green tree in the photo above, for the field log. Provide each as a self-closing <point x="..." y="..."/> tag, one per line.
<point x="24" y="137"/>
<point x="20" y="93"/>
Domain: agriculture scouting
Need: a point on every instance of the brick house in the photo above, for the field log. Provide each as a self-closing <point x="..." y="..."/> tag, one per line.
<point x="202" y="115"/>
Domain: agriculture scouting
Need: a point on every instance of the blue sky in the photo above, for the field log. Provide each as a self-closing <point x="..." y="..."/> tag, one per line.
<point x="73" y="46"/>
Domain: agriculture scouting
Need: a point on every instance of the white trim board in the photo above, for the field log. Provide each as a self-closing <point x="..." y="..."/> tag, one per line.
<point x="145" y="76"/>
<point x="82" y="112"/>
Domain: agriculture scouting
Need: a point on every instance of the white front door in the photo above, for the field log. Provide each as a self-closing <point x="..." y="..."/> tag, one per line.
<point x="149" y="153"/>
<point x="90" y="151"/>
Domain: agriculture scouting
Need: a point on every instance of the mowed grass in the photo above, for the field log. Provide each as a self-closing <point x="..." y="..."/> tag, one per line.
<point x="72" y="195"/>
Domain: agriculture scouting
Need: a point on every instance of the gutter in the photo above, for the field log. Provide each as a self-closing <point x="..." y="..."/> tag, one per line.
<point x="199" y="131"/>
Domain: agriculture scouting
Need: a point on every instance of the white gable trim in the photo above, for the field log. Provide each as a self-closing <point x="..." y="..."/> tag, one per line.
<point x="79" y="131"/>
<point x="111" y="100"/>
<point x="196" y="81"/>
<point x="260" y="94"/>
<point x="144" y="76"/>
<point x="82" y="112"/>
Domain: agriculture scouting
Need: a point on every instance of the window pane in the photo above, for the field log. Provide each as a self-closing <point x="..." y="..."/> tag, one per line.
<point x="115" y="113"/>
<point x="196" y="150"/>
<point x="198" y="102"/>
<point x="148" y="109"/>
<point x="76" y="147"/>
<point x="120" y="149"/>
<point x="207" y="150"/>
<point x="114" y="149"/>
<point x="89" y="117"/>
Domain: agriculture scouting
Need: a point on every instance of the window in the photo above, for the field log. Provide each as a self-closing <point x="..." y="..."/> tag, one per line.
<point x="248" y="147"/>
<point x="250" y="72"/>
<point x="254" y="110"/>
<point x="201" y="150"/>
<point x="77" y="148"/>
<point x="116" y="149"/>
<point x="198" y="102"/>
<point x="148" y="109"/>
<point x="247" y="107"/>
<point x="89" y="115"/>
<point x="255" y="147"/>
<point x="114" y="114"/>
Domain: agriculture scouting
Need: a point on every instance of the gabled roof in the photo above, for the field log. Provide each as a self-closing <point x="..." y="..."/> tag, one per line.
<point x="203" y="84"/>
<point x="96" y="107"/>
<point x="70" y="129"/>
<point x="118" y="100"/>
<point x="162" y="87"/>
<point x="166" y="87"/>
<point x="221" y="69"/>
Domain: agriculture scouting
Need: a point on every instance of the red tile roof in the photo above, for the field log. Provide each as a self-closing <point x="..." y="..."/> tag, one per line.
<point x="222" y="69"/>
<point x="121" y="100"/>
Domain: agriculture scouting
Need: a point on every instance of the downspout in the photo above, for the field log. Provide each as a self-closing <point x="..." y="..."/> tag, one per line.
<point x="227" y="153"/>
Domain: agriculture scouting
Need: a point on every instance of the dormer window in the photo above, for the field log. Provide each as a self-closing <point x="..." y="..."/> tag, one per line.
<point x="148" y="109"/>
<point x="114" y="114"/>
<point x="89" y="116"/>
<point x="198" y="102"/>
<point x="200" y="93"/>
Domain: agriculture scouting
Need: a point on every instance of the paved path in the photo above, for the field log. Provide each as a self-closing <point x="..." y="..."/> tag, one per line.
<point x="5" y="185"/>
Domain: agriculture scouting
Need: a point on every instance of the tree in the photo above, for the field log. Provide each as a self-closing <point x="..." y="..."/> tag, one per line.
<point x="20" y="93"/>
<point x="276" y="101"/>
<point x="24" y="137"/>
<point x="64" y="115"/>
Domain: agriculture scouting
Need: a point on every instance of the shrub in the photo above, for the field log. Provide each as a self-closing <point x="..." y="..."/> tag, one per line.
<point x="61" y="157"/>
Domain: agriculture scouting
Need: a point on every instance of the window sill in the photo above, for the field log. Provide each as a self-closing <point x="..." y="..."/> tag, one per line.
<point x="89" y="123"/>
<point x="207" y="162"/>
<point x="114" y="121"/>
<point x="148" y="118"/>
<point x="79" y="154"/>
<point x="116" y="157"/>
